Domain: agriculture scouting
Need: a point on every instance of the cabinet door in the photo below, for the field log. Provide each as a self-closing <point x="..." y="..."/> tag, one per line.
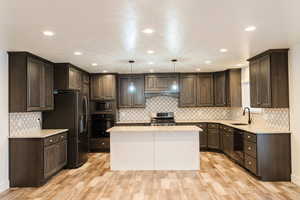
<point x="35" y="84"/>
<point x="203" y="139"/>
<point x="109" y="86"/>
<point x="254" y="89"/>
<point x="138" y="97"/>
<point x="62" y="154"/>
<point x="160" y="83"/>
<point x="74" y="79"/>
<point x="50" y="160"/>
<point x="188" y="90"/>
<point x="205" y="95"/>
<point x="96" y="87"/>
<point x="265" y="82"/>
<point x="48" y="89"/>
<point x="213" y="138"/>
<point x="220" y="89"/>
<point x="125" y="97"/>
<point x="235" y="90"/>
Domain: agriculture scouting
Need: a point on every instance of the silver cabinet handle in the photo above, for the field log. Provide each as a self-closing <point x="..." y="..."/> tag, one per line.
<point x="250" y="163"/>
<point x="249" y="148"/>
<point x="51" y="140"/>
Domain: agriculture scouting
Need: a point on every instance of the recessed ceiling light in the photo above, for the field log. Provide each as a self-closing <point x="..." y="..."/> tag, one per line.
<point x="223" y="50"/>
<point x="48" y="33"/>
<point x="250" y="28"/>
<point x="151" y="70"/>
<point x="150" y="52"/>
<point x="198" y="69"/>
<point x="104" y="71"/>
<point x="150" y="63"/>
<point x="77" y="53"/>
<point x="207" y="62"/>
<point x="94" y="64"/>
<point x="148" y="31"/>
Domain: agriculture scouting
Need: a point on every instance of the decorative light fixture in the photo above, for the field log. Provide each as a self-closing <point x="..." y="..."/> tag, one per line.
<point x="174" y="86"/>
<point x="131" y="87"/>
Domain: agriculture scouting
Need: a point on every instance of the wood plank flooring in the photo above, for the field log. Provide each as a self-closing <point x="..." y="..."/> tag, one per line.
<point x="218" y="179"/>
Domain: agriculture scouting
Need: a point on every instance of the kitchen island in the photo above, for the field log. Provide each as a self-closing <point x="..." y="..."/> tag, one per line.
<point x="154" y="148"/>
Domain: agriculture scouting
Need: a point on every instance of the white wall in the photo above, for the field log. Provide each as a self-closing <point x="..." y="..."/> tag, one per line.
<point x="4" y="184"/>
<point x="294" y="73"/>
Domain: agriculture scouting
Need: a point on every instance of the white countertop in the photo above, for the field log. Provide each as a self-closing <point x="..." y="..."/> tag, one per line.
<point x="257" y="129"/>
<point x="39" y="133"/>
<point x="154" y="129"/>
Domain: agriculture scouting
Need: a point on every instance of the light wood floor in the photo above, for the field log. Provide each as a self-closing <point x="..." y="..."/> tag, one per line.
<point x="219" y="178"/>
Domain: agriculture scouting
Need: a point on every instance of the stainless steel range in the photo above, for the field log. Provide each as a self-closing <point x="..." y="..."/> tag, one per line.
<point x="163" y="119"/>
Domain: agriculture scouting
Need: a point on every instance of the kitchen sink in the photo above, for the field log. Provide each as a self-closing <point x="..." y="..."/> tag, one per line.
<point x="239" y="124"/>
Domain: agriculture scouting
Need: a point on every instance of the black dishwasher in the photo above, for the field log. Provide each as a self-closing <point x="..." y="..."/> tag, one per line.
<point x="238" y="146"/>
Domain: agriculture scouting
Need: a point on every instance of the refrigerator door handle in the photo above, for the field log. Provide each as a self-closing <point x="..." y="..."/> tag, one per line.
<point x="86" y="113"/>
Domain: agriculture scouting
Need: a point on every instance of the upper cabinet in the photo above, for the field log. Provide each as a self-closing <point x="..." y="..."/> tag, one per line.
<point x="234" y="93"/>
<point x="67" y="77"/>
<point x="30" y="83"/>
<point x="205" y="90"/>
<point x="220" y="88"/>
<point x="269" y="79"/>
<point x="103" y="87"/>
<point x="134" y="98"/>
<point x="188" y="90"/>
<point x="160" y="83"/>
<point x="196" y="90"/>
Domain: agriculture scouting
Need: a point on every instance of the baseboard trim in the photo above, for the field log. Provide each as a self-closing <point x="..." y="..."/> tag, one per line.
<point x="4" y="185"/>
<point x="296" y="179"/>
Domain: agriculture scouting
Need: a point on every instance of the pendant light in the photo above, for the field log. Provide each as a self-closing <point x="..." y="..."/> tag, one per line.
<point x="131" y="87"/>
<point x="174" y="86"/>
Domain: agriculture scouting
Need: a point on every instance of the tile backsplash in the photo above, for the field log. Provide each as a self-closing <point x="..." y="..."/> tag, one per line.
<point x="276" y="118"/>
<point x="170" y="104"/>
<point x="20" y="123"/>
<point x="270" y="117"/>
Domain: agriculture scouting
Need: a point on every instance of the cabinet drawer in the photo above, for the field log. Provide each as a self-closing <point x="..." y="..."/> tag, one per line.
<point x="62" y="136"/>
<point x="250" y="163"/>
<point x="213" y="126"/>
<point x="250" y="137"/>
<point x="250" y="148"/>
<point x="202" y="125"/>
<point x="228" y="129"/>
<point x="51" y="140"/>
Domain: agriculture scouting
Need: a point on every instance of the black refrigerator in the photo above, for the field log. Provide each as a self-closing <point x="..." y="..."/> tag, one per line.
<point x="71" y="112"/>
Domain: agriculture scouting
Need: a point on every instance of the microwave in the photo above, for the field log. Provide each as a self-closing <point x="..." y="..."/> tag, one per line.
<point x="103" y="106"/>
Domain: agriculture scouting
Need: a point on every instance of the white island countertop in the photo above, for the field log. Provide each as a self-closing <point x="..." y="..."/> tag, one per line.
<point x="154" y="129"/>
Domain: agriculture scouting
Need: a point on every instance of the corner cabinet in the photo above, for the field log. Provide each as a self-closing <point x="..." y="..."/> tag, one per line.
<point x="103" y="87"/>
<point x="220" y="88"/>
<point x="30" y="83"/>
<point x="131" y="99"/>
<point x="32" y="161"/>
<point x="269" y="79"/>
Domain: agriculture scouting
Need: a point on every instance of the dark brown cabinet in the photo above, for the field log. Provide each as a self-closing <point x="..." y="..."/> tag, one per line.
<point x="203" y="135"/>
<point x="188" y="90"/>
<point x="160" y="83"/>
<point x="269" y="79"/>
<point x="68" y="77"/>
<point x="213" y="136"/>
<point x="103" y="87"/>
<point x="30" y="83"/>
<point x="234" y="92"/>
<point x="196" y="90"/>
<point x="205" y="95"/>
<point x="220" y="88"/>
<point x="131" y="99"/>
<point x="33" y="161"/>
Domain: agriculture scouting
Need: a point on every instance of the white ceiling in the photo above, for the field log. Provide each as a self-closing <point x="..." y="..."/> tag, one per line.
<point x="109" y="32"/>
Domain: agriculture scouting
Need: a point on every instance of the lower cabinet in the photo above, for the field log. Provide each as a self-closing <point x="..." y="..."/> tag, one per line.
<point x="213" y="136"/>
<point x="203" y="135"/>
<point x="32" y="161"/>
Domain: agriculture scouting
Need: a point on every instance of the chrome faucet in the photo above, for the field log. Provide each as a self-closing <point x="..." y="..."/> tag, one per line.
<point x="249" y="114"/>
